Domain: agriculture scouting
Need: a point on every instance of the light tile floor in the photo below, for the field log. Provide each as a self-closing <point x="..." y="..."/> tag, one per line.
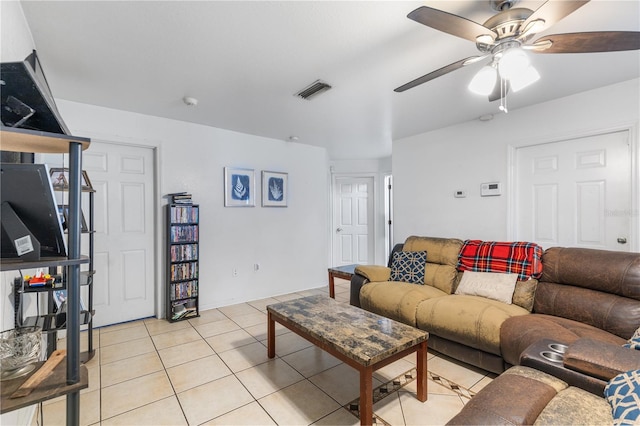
<point x="214" y="370"/>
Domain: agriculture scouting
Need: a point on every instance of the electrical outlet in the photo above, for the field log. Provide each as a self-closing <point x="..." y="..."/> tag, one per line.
<point x="234" y="272"/>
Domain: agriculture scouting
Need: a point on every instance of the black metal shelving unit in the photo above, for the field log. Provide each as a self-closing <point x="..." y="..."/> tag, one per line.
<point x="75" y="378"/>
<point x="182" y="262"/>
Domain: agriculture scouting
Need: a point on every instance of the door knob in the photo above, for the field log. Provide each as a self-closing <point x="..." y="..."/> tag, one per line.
<point x="622" y="240"/>
<point x="339" y="230"/>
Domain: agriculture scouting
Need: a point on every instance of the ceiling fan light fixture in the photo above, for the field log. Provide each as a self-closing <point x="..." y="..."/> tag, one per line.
<point x="513" y="62"/>
<point x="529" y="76"/>
<point x="484" y="81"/>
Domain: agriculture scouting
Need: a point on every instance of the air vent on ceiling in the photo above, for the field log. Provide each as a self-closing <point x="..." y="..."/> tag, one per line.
<point x="313" y="89"/>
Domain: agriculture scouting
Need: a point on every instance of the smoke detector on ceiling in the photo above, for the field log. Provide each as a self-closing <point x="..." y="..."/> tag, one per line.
<point x="190" y="101"/>
<point x="313" y="89"/>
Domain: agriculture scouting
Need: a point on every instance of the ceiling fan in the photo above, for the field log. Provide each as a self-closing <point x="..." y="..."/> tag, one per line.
<point x="507" y="35"/>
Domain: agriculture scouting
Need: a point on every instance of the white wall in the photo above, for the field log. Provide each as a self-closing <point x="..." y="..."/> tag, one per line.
<point x="16" y="42"/>
<point x="429" y="167"/>
<point x="290" y="244"/>
<point x="377" y="169"/>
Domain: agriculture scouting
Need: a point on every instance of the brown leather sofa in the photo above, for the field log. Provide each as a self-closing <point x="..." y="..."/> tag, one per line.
<point x="585" y="296"/>
<point x="583" y="293"/>
<point x="523" y="395"/>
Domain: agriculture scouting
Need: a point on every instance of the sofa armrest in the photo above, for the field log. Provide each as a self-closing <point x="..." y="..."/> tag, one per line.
<point x="373" y="273"/>
<point x="357" y="281"/>
<point x="364" y="274"/>
<point x="599" y="359"/>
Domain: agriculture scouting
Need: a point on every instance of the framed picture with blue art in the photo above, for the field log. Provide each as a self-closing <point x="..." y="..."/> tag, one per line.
<point x="274" y="189"/>
<point x="239" y="187"/>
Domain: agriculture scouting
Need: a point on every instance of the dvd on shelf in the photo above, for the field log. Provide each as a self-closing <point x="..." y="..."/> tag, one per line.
<point x="184" y="252"/>
<point x="180" y="198"/>
<point x="184" y="214"/>
<point x="184" y="271"/>
<point x="184" y="233"/>
<point x="184" y="290"/>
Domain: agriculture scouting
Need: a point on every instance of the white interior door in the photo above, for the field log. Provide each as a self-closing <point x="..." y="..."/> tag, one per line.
<point x="353" y="220"/>
<point x="576" y="192"/>
<point x="124" y="284"/>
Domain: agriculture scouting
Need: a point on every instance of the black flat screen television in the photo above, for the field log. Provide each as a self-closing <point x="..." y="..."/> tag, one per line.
<point x="27" y="189"/>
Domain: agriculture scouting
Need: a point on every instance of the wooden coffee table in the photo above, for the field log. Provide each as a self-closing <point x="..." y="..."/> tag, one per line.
<point x="361" y="339"/>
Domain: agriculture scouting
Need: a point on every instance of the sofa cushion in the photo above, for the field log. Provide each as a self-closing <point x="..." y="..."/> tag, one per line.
<point x="443" y="251"/>
<point x="440" y="271"/>
<point x="373" y="272"/>
<point x="517" y="333"/>
<point x="502" y="402"/>
<point x="522" y="258"/>
<point x="471" y="320"/>
<point x="408" y="266"/>
<point x="396" y="300"/>
<point x="623" y="394"/>
<point x="602" y="270"/>
<point x="556" y="383"/>
<point x="574" y="406"/>
<point x="615" y="314"/>
<point x="491" y="285"/>
<point x="524" y="294"/>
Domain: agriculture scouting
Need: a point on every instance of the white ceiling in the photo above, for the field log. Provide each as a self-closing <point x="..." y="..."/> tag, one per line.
<point x="245" y="60"/>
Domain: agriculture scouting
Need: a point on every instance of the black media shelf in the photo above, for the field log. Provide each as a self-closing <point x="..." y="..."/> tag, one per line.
<point x="183" y="290"/>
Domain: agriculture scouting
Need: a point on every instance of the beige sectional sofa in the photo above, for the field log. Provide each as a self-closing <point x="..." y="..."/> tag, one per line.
<point x="584" y="293"/>
<point x="465" y="327"/>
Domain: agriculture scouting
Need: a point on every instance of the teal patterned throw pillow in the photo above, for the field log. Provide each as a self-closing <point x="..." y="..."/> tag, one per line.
<point x="408" y="266"/>
<point x="623" y="393"/>
<point x="634" y="341"/>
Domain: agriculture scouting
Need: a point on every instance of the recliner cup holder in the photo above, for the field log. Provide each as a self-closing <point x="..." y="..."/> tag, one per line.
<point x="558" y="347"/>
<point x="552" y="356"/>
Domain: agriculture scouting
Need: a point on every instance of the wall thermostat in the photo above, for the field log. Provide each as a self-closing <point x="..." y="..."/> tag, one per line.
<point x="490" y="189"/>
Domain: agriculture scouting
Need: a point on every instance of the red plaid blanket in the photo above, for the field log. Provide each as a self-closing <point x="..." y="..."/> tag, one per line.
<point x="520" y="258"/>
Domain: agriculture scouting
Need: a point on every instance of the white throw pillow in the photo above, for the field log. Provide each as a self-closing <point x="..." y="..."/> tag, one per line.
<point x="492" y="285"/>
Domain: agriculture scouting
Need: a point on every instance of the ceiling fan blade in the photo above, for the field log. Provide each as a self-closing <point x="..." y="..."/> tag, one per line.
<point x="549" y="13"/>
<point x="437" y="73"/>
<point x="599" y="41"/>
<point x="450" y="24"/>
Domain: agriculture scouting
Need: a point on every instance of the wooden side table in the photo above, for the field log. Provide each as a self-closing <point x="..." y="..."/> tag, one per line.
<point x="345" y="272"/>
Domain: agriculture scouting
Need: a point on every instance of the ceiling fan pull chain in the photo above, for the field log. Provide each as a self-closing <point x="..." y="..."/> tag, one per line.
<point x="503" y="95"/>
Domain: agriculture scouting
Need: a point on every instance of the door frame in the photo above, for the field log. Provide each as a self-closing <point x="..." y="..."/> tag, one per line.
<point x="332" y="206"/>
<point x="157" y="228"/>
<point x="631" y="128"/>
